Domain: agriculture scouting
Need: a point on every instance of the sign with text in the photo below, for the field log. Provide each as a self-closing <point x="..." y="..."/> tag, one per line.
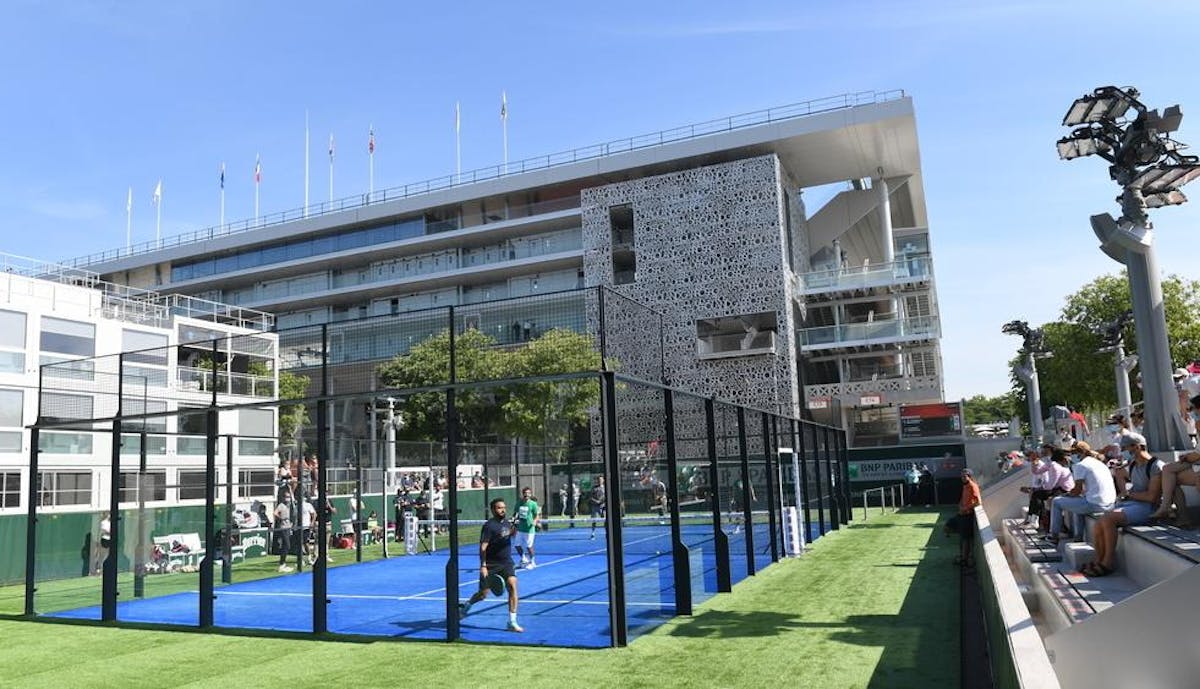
<point x="818" y="403"/>
<point x="930" y="420"/>
<point x="946" y="466"/>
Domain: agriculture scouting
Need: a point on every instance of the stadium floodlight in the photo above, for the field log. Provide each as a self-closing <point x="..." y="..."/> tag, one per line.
<point x="1147" y="164"/>
<point x="1105" y="103"/>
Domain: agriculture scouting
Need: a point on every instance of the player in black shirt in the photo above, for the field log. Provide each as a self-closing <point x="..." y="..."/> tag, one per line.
<point x="495" y="558"/>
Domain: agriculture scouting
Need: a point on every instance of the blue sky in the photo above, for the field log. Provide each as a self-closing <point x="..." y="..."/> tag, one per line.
<point x="104" y="95"/>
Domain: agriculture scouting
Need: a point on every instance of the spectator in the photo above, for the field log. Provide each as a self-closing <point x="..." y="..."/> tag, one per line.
<point x="1094" y="493"/>
<point x="562" y="501"/>
<point x="283" y="529"/>
<point x="1054" y="479"/>
<point x="1136" y="504"/>
<point x="1180" y="473"/>
<point x="964" y="521"/>
<point x="308" y="519"/>
<point x="912" y="478"/>
<point x="926" y="485"/>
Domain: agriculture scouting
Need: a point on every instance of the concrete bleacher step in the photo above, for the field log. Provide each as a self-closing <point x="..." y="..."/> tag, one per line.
<point x="1150" y="554"/>
<point x="1024" y="537"/>
<point x="1075" y="555"/>
<point x="1081" y="596"/>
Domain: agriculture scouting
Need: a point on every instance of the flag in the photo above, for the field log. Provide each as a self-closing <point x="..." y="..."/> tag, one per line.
<point x="222" y="175"/>
<point x="158" y="193"/>
<point x="257" y="169"/>
<point x="331" y="148"/>
<point x="371" y="141"/>
<point x="503" y="106"/>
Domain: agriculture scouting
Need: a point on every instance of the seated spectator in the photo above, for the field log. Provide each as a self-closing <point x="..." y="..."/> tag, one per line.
<point x="1094" y="493"/>
<point x="964" y="521"/>
<point x="1054" y="476"/>
<point x="1180" y="473"/>
<point x="1144" y="474"/>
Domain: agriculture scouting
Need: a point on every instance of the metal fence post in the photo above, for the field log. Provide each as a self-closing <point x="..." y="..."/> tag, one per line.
<point x="109" y="593"/>
<point x="616" y="555"/>
<point x="31" y="517"/>
<point x="802" y="431"/>
<point x="834" y="518"/>
<point x="679" y="551"/>
<point x="817" y="477"/>
<point x="769" y="445"/>
<point x="320" y="583"/>
<point x="210" y="514"/>
<point x="724" y="582"/>
<point x="227" y="542"/>
<point x="453" y="630"/>
<point x="843" y="445"/>
<point x="139" y="552"/>
<point x="747" y="510"/>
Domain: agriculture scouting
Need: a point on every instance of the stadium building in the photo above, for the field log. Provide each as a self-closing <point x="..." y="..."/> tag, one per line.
<point x="786" y="250"/>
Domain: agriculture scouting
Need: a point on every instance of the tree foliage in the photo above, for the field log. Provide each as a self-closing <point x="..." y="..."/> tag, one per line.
<point x="1080" y="376"/>
<point x="982" y="409"/>
<point x="546" y="411"/>
<point x="292" y="417"/>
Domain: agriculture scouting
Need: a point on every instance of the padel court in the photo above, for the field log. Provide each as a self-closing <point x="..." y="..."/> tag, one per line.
<point x="564" y="601"/>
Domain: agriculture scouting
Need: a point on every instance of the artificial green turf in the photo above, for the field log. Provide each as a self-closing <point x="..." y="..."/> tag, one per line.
<point x="874" y="605"/>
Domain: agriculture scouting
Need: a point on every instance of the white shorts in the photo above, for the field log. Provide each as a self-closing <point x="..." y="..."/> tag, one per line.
<point x="523" y="539"/>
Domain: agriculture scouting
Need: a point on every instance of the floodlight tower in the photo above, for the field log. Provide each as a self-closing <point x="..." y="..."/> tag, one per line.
<point x="1113" y="340"/>
<point x="1148" y="166"/>
<point x="1033" y="347"/>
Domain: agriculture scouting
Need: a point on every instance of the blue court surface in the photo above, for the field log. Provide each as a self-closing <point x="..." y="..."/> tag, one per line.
<point x="564" y="601"/>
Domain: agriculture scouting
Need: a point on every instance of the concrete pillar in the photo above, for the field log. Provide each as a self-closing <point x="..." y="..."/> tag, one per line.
<point x="885" y="219"/>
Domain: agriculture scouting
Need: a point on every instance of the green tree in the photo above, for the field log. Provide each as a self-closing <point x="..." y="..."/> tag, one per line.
<point x="982" y="409"/>
<point x="292" y="417"/>
<point x="1078" y="375"/>
<point x="428" y="364"/>
<point x="545" y="412"/>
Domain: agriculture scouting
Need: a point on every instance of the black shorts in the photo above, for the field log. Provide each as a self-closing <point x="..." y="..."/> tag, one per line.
<point x="504" y="569"/>
<point x="598" y="511"/>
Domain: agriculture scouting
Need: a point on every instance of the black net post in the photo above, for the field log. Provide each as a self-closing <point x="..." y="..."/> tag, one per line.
<point x="210" y="515"/>
<point x="487" y="481"/>
<point x="616" y="555"/>
<point x="360" y="519"/>
<point x="819" y="436"/>
<point x="679" y="551"/>
<point x="320" y="584"/>
<point x="452" y="430"/>
<point x="227" y="541"/>
<point x="830" y="470"/>
<point x="848" y="512"/>
<point x="800" y="431"/>
<point x="770" y="443"/>
<point x="724" y="582"/>
<point x="108" y="595"/>
<point x="139" y="551"/>
<point x="31" y="516"/>
<point x="747" y="508"/>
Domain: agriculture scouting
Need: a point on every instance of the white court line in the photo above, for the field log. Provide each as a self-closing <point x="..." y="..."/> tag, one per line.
<point x="531" y="601"/>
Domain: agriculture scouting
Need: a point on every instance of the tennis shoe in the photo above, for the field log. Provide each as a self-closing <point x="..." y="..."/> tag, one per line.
<point x="463" y="609"/>
<point x="285" y="568"/>
<point x="514" y="627"/>
<point x="531" y="565"/>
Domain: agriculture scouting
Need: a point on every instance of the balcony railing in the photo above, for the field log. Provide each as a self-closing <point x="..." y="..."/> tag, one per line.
<point x="865" y="333"/>
<point x="667" y="136"/>
<point x="883" y="274"/>
<point x="242" y="384"/>
<point x="735" y="344"/>
<point x="900" y="384"/>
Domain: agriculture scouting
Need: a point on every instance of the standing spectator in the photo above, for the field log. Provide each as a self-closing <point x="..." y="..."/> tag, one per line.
<point x="912" y="478"/>
<point x="308" y="519"/>
<point x="562" y="501"/>
<point x="926" y="485"/>
<point x="283" y="529"/>
<point x="1144" y="472"/>
<point x="573" y="503"/>
<point x="964" y="521"/>
<point x="1094" y="493"/>
<point x="596" y="500"/>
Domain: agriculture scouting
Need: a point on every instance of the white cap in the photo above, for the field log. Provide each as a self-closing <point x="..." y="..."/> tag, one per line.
<point x="1181" y="373"/>
<point x="1132" y="439"/>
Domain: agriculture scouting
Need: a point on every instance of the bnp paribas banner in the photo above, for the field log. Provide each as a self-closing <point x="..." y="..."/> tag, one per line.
<point x="947" y="465"/>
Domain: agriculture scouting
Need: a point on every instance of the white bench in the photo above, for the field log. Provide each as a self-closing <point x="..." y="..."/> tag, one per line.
<point x="180" y="550"/>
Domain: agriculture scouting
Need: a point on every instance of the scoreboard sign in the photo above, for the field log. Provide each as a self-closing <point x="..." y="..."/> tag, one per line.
<point x="930" y="420"/>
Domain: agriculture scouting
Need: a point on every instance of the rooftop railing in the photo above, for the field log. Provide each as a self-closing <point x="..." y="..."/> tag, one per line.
<point x="552" y="160"/>
<point x="879" y="275"/>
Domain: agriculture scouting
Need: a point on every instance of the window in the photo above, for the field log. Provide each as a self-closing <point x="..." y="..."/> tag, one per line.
<point x="624" y="256"/>
<point x="10" y="489"/>
<point x="256" y="448"/>
<point x="58" y="407"/>
<point x="153" y="486"/>
<point x="191" y="485"/>
<point x="60" y="443"/>
<point x="134" y="406"/>
<point x="12" y="342"/>
<point x="68" y="337"/>
<point x="67" y="368"/>
<point x="752" y="333"/>
<point x="12" y="418"/>
<point x="256" y="483"/>
<point x="131" y="444"/>
<point x="256" y="422"/>
<point x="62" y="488"/>
<point x="144" y="348"/>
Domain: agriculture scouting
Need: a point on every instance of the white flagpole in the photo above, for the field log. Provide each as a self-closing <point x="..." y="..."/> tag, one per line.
<point x="457" y="143"/>
<point x="331" y="170"/>
<point x="222" y="224"/>
<point x="257" y="179"/>
<point x="158" y="214"/>
<point x="129" y="220"/>
<point x="306" y="163"/>
<point x="370" y="162"/>
<point x="504" y="124"/>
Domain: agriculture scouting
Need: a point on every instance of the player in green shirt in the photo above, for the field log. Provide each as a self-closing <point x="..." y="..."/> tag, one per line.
<point x="527" y="516"/>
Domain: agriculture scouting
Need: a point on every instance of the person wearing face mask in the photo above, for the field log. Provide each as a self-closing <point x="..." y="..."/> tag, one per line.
<point x="1056" y="480"/>
<point x="1144" y="473"/>
<point x="1180" y="473"/>
<point x="1094" y="493"/>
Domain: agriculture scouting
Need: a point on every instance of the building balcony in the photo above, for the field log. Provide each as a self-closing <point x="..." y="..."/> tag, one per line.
<point x="738" y="344"/>
<point x="237" y="384"/>
<point x="887" y="390"/>
<point x="866" y="335"/>
<point x="915" y="270"/>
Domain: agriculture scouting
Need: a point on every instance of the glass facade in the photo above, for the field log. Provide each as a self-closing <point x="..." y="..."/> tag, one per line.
<point x="68" y="337"/>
